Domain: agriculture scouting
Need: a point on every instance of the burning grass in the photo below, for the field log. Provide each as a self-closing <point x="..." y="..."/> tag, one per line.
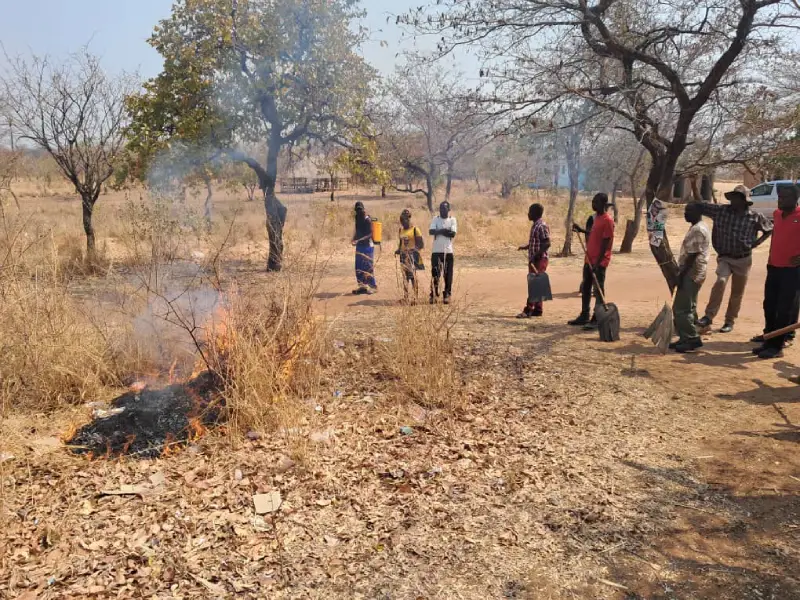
<point x="150" y="422"/>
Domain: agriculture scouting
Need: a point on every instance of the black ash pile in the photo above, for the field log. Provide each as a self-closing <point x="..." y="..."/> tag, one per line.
<point x="149" y="422"/>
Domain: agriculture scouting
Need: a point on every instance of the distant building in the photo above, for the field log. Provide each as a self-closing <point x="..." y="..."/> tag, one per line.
<point x="561" y="176"/>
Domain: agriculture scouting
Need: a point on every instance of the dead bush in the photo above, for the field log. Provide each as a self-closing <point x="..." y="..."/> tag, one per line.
<point x="421" y="356"/>
<point x="270" y="350"/>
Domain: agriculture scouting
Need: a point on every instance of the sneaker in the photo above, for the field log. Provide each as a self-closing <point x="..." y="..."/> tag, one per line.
<point x="688" y="345"/>
<point x="579" y="322"/>
<point x="369" y="291"/>
<point x="704" y="323"/>
<point x="757" y="339"/>
<point x="727" y="328"/>
<point x="770" y="352"/>
<point x="361" y="290"/>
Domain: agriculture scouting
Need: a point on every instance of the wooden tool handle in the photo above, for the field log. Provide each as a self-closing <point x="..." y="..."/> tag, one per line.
<point x="783" y="331"/>
<point x="594" y="275"/>
<point x="533" y="266"/>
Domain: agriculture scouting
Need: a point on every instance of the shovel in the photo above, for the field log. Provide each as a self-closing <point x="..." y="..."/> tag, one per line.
<point x="538" y="286"/>
<point x="606" y="313"/>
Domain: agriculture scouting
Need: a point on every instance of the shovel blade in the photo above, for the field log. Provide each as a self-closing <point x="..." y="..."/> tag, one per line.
<point x="608" y="322"/>
<point x="539" y="288"/>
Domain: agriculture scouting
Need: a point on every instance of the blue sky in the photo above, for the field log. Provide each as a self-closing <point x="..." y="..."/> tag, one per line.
<point x="118" y="29"/>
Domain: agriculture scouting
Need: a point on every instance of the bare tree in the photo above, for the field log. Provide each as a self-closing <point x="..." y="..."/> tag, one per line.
<point x="74" y="112"/>
<point x="662" y="68"/>
<point x="430" y="126"/>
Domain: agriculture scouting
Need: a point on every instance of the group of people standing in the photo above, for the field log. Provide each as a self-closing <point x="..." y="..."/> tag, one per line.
<point x="443" y="229"/>
<point x="737" y="231"/>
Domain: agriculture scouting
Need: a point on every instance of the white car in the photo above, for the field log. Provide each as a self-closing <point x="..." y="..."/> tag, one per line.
<point x="765" y="196"/>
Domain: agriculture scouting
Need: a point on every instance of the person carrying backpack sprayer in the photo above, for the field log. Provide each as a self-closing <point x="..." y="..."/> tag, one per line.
<point x="443" y="229"/>
<point x="365" y="252"/>
<point x="408" y="250"/>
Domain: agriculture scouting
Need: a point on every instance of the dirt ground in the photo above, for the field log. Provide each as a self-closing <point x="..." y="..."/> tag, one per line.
<point x="571" y="468"/>
<point x="735" y="510"/>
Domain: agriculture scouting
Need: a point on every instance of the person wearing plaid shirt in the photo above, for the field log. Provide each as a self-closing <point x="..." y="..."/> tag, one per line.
<point x="538" y="245"/>
<point x="735" y="234"/>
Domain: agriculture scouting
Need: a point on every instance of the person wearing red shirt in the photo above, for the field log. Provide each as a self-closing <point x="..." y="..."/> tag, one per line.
<point x="598" y="257"/>
<point x="783" y="272"/>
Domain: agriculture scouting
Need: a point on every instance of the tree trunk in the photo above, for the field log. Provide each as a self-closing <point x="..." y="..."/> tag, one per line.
<point x="632" y="226"/>
<point x="251" y="191"/>
<point x="659" y="187"/>
<point x="207" y="206"/>
<point x="566" y="249"/>
<point x="614" y="206"/>
<point x="478" y="182"/>
<point x="505" y="189"/>
<point x="383" y="191"/>
<point x="333" y="187"/>
<point x="274" y="208"/>
<point x="448" y="186"/>
<point x="87" y="203"/>
<point x="429" y="192"/>
<point x="572" y="151"/>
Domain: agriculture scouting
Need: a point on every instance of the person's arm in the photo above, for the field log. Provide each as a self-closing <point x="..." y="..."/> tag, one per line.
<point x="710" y="210"/>
<point x="687" y="268"/>
<point x="605" y="244"/>
<point x="544" y="243"/>
<point x="432" y="230"/>
<point x="578" y="229"/>
<point x="418" y="241"/>
<point x="766" y="229"/>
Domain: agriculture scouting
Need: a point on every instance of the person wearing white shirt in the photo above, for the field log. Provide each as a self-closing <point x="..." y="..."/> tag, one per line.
<point x="443" y="229"/>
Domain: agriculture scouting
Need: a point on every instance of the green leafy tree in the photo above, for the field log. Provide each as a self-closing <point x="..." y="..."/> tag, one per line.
<point x="236" y="72"/>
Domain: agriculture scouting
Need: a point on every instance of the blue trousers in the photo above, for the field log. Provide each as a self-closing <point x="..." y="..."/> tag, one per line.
<point x="365" y="263"/>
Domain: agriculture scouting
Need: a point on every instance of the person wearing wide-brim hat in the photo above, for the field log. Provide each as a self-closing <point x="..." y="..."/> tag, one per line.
<point x="735" y="235"/>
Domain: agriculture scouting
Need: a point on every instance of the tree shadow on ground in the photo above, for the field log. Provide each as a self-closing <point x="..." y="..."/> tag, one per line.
<point x="765" y="394"/>
<point x="712" y="354"/>
<point x="714" y="541"/>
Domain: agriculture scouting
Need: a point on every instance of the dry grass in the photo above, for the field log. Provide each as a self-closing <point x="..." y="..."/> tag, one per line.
<point x="420" y="356"/>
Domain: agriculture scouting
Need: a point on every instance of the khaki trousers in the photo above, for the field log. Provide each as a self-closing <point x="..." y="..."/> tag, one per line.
<point x="739" y="270"/>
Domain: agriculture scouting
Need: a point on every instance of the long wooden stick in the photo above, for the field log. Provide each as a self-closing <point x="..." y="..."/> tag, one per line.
<point x="594" y="275"/>
<point x="782" y="331"/>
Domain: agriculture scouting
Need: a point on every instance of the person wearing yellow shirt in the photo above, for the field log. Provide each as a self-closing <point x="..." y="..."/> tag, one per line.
<point x="408" y="250"/>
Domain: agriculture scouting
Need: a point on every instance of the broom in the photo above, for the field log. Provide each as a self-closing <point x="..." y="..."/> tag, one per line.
<point x="662" y="328"/>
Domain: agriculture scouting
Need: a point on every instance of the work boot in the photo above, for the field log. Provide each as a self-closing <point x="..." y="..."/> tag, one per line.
<point x="770" y="352"/>
<point x="591" y="325"/>
<point x="580" y="321"/>
<point x="759" y="349"/>
<point x="704" y="323"/>
<point x="690" y="345"/>
<point x="757" y="339"/>
<point x="726" y="328"/>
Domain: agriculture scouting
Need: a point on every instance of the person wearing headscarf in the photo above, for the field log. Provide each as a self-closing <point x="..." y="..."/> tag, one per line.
<point x="365" y="252"/>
